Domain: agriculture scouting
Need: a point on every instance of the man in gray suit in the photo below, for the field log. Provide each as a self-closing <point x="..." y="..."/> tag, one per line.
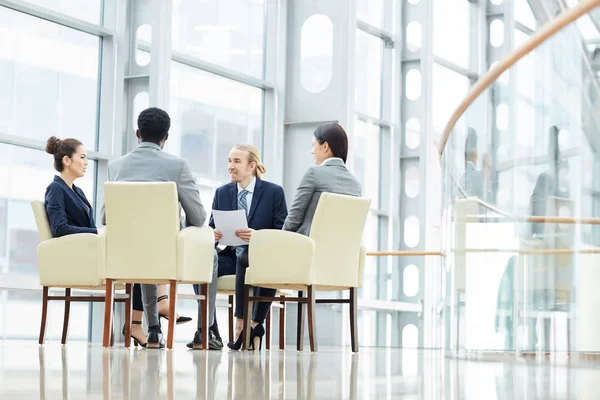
<point x="148" y="163"/>
<point x="330" y="150"/>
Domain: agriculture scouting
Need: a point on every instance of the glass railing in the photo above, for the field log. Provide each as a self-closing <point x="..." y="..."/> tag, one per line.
<point x="521" y="202"/>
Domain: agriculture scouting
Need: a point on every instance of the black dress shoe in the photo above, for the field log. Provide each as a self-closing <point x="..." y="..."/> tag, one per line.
<point x="214" y="343"/>
<point x="256" y="336"/>
<point x="155" y="340"/>
<point x="238" y="343"/>
<point x="180" y="320"/>
<point x="136" y="341"/>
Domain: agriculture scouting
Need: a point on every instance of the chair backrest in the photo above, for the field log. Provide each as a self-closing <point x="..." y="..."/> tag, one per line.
<point x="142" y="223"/>
<point x="337" y="230"/>
<point x="41" y="220"/>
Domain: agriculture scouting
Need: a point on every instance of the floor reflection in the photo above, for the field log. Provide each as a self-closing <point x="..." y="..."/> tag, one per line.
<point x="81" y="371"/>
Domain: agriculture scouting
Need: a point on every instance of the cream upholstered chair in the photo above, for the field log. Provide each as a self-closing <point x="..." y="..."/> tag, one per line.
<point x="73" y="261"/>
<point x="330" y="259"/>
<point x="144" y="244"/>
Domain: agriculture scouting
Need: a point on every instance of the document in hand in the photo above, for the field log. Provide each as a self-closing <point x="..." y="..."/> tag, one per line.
<point x="227" y="222"/>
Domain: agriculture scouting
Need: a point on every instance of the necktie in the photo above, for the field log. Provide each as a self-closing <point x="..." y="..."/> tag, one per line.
<point x="242" y="205"/>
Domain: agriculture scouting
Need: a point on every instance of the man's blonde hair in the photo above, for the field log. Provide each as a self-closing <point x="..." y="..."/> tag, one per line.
<point x="253" y="157"/>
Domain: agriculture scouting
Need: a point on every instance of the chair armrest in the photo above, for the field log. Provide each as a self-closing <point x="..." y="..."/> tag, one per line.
<point x="72" y="260"/>
<point x="195" y="254"/>
<point x="362" y="259"/>
<point x="280" y="257"/>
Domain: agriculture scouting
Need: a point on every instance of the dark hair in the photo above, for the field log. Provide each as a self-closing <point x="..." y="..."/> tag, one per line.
<point x="61" y="148"/>
<point x="154" y="125"/>
<point x="336" y="138"/>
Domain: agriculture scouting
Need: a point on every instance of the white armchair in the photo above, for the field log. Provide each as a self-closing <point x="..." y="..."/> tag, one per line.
<point x="144" y="244"/>
<point x="330" y="259"/>
<point x="73" y="261"/>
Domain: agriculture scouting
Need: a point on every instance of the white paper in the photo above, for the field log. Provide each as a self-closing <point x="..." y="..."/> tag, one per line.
<point x="227" y="222"/>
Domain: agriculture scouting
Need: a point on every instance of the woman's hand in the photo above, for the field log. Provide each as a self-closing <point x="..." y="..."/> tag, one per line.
<point x="218" y="235"/>
<point x="244" y="234"/>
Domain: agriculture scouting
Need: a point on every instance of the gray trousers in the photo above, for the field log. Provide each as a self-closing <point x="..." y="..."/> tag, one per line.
<point x="212" y="294"/>
<point x="150" y="298"/>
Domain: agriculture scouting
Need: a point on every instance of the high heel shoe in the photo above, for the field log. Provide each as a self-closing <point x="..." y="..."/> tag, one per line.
<point x="136" y="341"/>
<point x="180" y="320"/>
<point x="256" y="335"/>
<point x="238" y="343"/>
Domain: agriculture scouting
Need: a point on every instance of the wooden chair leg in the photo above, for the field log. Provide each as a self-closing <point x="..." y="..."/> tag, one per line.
<point x="268" y="329"/>
<point x="247" y="317"/>
<point x="231" y="320"/>
<point x="282" y="326"/>
<point x="44" y="315"/>
<point x="353" y="319"/>
<point x="300" y="324"/>
<point x="172" y="321"/>
<point x="65" y="330"/>
<point x="312" y="332"/>
<point x="108" y="312"/>
<point x="128" y="305"/>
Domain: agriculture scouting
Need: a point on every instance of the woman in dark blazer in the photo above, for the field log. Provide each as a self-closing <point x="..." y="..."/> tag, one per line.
<point x="69" y="211"/>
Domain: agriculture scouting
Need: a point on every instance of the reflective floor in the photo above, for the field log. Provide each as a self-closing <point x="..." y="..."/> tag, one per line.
<point x="81" y="371"/>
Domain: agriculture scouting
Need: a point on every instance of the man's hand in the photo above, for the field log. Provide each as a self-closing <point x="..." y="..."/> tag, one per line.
<point x="244" y="234"/>
<point x="218" y="235"/>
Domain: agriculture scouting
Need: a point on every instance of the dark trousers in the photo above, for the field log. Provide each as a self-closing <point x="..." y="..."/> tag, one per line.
<point x="137" y="305"/>
<point x="229" y="264"/>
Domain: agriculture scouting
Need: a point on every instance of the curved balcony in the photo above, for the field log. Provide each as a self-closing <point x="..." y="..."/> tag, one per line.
<point x="521" y="200"/>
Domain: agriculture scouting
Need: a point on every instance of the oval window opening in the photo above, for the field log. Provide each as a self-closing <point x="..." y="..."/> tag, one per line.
<point x="143" y="41"/>
<point x="316" y="53"/>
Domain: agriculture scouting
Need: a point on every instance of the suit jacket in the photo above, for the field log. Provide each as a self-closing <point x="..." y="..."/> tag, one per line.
<point x="267" y="211"/>
<point x="68" y="209"/>
<point x="148" y="163"/>
<point x="333" y="177"/>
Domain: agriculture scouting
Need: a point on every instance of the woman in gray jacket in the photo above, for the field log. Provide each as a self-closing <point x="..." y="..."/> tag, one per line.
<point x="329" y="174"/>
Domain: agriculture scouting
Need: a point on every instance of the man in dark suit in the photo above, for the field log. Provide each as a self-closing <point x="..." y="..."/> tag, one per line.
<point x="264" y="203"/>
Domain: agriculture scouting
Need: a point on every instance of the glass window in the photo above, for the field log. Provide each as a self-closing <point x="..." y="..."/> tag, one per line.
<point x="229" y="33"/>
<point x="587" y="28"/>
<point x="210" y="114"/>
<point x="3" y="226"/>
<point x="369" y="50"/>
<point x="316" y="53"/>
<point x="524" y="14"/>
<point x="451" y="30"/>
<point x="48" y="79"/>
<point x="88" y="10"/>
<point x="365" y="162"/>
<point x="449" y="89"/>
<point x="370" y="11"/>
<point x="525" y="69"/>
<point x="371" y="243"/>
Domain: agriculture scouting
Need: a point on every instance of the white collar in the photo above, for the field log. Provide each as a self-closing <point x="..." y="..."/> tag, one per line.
<point x="249" y="188"/>
<point x="326" y="161"/>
